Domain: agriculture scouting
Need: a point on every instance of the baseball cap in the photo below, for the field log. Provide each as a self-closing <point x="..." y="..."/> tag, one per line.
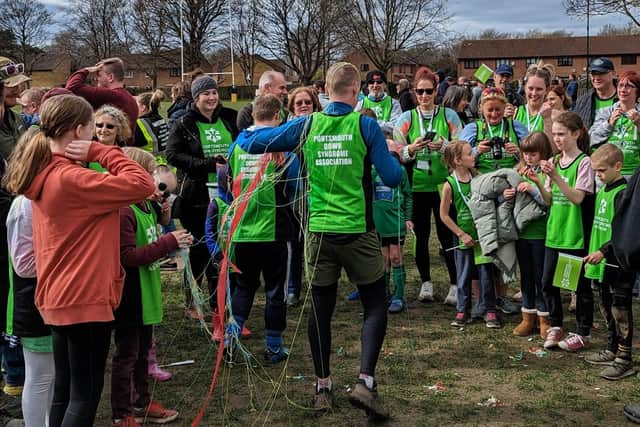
<point x="11" y="73"/>
<point x="376" y="73"/>
<point x="504" y="69"/>
<point x="601" y="65"/>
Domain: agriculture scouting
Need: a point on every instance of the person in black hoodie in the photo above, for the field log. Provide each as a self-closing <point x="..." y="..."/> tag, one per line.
<point x="198" y="141"/>
<point x="181" y="96"/>
<point x="151" y="131"/>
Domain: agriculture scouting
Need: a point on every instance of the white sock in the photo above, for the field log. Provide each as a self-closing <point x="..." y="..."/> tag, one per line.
<point x="368" y="380"/>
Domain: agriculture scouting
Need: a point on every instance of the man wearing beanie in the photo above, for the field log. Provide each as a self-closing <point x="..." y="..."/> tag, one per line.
<point x="109" y="89"/>
<point x="387" y="109"/>
<point x="197" y="142"/>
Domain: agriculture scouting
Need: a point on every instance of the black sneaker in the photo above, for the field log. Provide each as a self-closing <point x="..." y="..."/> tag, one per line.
<point x="364" y="398"/>
<point x="620" y="369"/>
<point x="322" y="400"/>
<point x="507" y="306"/>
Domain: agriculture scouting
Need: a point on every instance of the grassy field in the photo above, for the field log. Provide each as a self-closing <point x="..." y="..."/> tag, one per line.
<point x="429" y="373"/>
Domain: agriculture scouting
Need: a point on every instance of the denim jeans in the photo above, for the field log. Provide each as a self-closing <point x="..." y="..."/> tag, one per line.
<point x="13" y="363"/>
<point x="464" y="267"/>
<point x="531" y="259"/>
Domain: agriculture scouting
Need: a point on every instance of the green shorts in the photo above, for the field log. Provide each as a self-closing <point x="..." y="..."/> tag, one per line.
<point x="361" y="259"/>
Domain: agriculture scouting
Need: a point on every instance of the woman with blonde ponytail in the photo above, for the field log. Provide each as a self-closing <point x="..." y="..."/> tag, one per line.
<point x="151" y="133"/>
<point x="536" y="113"/>
<point x="76" y="229"/>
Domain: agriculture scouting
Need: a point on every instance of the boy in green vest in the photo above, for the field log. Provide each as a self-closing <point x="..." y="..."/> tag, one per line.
<point x="601" y="266"/>
<point x="261" y="240"/>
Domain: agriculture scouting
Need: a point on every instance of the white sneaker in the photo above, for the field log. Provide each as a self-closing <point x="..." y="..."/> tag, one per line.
<point x="426" y="292"/>
<point x="452" y="296"/>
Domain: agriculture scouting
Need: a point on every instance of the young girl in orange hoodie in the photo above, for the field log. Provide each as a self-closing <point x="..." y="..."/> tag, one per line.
<point x="76" y="236"/>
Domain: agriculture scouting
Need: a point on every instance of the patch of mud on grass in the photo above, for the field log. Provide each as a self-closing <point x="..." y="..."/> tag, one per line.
<point x="429" y="373"/>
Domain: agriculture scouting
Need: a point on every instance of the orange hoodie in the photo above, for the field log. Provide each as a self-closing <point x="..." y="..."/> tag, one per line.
<point x="76" y="234"/>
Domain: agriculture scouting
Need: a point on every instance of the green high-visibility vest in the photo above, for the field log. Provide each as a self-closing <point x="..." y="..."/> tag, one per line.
<point x="382" y="108"/>
<point x="533" y="123"/>
<point x="461" y="192"/>
<point x="215" y="140"/>
<point x="486" y="162"/>
<point x="429" y="170"/>
<point x="334" y="154"/>
<point x="626" y="136"/>
<point x="150" y="284"/>
<point x="536" y="229"/>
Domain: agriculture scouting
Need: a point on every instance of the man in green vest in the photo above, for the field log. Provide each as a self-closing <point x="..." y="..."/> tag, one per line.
<point x="386" y="108"/>
<point x="603" y="93"/>
<point x="337" y="148"/>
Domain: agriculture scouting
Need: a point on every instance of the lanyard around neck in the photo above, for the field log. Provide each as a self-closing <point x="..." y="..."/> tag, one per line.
<point x="530" y="127"/>
<point x="465" y="199"/>
<point x="422" y="118"/>
<point x="491" y="131"/>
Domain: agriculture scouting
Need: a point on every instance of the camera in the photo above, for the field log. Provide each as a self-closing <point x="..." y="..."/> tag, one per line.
<point x="496" y="144"/>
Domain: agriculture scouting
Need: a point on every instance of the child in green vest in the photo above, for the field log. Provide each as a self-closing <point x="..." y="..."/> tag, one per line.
<point x="141" y="304"/>
<point x="530" y="244"/>
<point x="392" y="217"/>
<point x="569" y="192"/>
<point x="614" y="284"/>
<point x="460" y="160"/>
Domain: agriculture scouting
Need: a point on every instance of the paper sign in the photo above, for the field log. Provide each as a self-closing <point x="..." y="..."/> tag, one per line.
<point x="483" y="73"/>
<point x="567" y="272"/>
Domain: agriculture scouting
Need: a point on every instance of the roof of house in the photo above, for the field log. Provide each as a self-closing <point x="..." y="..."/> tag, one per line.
<point x="549" y="47"/>
<point x="49" y="61"/>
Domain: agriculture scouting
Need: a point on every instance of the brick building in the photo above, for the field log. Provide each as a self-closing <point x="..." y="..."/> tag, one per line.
<point x="404" y="70"/>
<point x="566" y="54"/>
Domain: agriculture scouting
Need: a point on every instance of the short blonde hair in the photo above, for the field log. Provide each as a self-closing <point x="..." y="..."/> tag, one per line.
<point x="607" y="154"/>
<point x="342" y="76"/>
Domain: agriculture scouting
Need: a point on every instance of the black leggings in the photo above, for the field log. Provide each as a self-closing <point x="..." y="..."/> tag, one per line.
<point x="193" y="221"/>
<point x="374" y="326"/>
<point x="423" y="204"/>
<point x="80" y="352"/>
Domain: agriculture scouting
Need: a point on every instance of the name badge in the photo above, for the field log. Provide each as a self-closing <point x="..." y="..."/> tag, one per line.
<point x="424" y="165"/>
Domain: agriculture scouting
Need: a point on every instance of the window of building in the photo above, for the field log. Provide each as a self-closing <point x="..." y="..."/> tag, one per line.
<point x="128" y="74"/>
<point x="364" y="67"/>
<point x="174" y="72"/>
<point x="565" y="61"/>
<point x="532" y="61"/>
<point x="629" y="60"/>
<point x="500" y="62"/>
<point x="471" y="64"/>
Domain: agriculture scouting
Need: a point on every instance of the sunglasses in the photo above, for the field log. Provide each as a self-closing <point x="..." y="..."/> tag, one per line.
<point x="301" y="102"/>
<point x="373" y="82"/>
<point x="11" y="69"/>
<point x="423" y="91"/>
<point x="106" y="125"/>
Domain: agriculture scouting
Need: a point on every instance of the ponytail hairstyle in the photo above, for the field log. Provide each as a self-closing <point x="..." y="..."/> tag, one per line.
<point x="574" y="123"/>
<point x="542" y="70"/>
<point x="535" y="142"/>
<point x="151" y="100"/>
<point x="560" y="93"/>
<point x="423" y="73"/>
<point x="453" y="152"/>
<point x="58" y="115"/>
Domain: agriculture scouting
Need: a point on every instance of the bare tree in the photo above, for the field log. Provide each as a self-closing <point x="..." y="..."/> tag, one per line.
<point x="198" y="19"/>
<point x="299" y="32"/>
<point x="246" y="36"/>
<point x="102" y="26"/>
<point x="630" y="8"/>
<point x="626" y="30"/>
<point x="383" y="28"/>
<point x="29" y="22"/>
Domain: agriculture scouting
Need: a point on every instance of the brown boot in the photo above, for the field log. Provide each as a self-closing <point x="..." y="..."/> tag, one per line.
<point x="543" y="321"/>
<point x="528" y="324"/>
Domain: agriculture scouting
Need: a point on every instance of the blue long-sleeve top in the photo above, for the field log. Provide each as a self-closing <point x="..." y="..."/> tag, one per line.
<point x="288" y="136"/>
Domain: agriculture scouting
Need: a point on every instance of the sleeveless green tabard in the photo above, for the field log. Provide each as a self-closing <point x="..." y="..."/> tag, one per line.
<point x="486" y="162"/>
<point x="536" y="229"/>
<point x="382" y="108"/>
<point x="625" y="135"/>
<point x="601" y="230"/>
<point x="429" y="170"/>
<point x="150" y="290"/>
<point x="564" y="227"/>
<point x="258" y="223"/>
<point x="215" y="140"/>
<point x="334" y="155"/>
<point x="461" y="192"/>
<point x="533" y="123"/>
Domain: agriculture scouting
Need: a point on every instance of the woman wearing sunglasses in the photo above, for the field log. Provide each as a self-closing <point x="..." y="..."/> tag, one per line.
<point x="427" y="128"/>
<point x="619" y="124"/>
<point x="111" y="128"/>
<point x="302" y="102"/>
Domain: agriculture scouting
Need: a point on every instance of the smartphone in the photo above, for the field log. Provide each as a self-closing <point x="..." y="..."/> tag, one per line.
<point x="428" y="136"/>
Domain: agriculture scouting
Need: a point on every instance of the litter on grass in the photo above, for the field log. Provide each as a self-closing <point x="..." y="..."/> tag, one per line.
<point x="539" y="352"/>
<point x="491" y="402"/>
<point x="437" y="387"/>
<point x="181" y="363"/>
<point x="518" y="356"/>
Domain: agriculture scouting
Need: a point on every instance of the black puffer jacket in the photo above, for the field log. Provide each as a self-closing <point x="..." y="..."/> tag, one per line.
<point x="184" y="151"/>
<point x="586" y="107"/>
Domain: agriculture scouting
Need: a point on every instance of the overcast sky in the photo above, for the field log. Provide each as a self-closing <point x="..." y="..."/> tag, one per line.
<point x="472" y="17"/>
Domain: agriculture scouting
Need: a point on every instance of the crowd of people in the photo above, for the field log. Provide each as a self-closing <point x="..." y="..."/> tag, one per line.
<point x="296" y="187"/>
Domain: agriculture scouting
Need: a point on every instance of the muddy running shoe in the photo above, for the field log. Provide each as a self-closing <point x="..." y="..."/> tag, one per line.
<point x="396" y="306"/>
<point x="492" y="321"/>
<point x="618" y="370"/>
<point x="155" y="413"/>
<point x="452" y="296"/>
<point x="322" y="400"/>
<point x="426" y="292"/>
<point x="364" y="398"/>
<point x="554" y="336"/>
<point x="277" y="355"/>
<point x="632" y="412"/>
<point x="604" y="357"/>
<point x="574" y="342"/>
<point x="461" y="320"/>
<point x="507" y="306"/>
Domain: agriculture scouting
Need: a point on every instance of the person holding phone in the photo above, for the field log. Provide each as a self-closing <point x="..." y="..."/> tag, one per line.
<point x="428" y="128"/>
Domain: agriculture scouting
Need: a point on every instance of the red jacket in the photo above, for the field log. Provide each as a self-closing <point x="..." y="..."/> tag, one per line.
<point x="99" y="96"/>
<point x="76" y="234"/>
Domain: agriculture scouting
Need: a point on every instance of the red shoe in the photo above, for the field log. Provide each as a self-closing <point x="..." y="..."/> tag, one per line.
<point x="246" y="333"/>
<point x="128" y="421"/>
<point x="218" y="330"/>
<point x="159" y="374"/>
<point x="155" y="413"/>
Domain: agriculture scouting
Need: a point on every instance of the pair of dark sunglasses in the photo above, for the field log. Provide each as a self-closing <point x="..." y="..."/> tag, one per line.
<point x="373" y="82"/>
<point x="106" y="125"/>
<point x="423" y="91"/>
<point x="300" y="102"/>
